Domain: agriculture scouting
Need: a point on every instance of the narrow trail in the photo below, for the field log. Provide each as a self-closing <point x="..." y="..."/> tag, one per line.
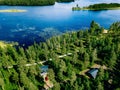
<point x="41" y="62"/>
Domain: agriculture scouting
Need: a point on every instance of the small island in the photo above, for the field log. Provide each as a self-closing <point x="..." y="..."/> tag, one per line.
<point x="97" y="7"/>
<point x="13" y="10"/>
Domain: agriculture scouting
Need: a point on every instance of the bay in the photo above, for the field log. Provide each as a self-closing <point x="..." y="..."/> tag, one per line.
<point x="42" y="22"/>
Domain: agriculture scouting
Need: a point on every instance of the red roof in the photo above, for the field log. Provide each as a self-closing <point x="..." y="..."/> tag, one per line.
<point x="46" y="78"/>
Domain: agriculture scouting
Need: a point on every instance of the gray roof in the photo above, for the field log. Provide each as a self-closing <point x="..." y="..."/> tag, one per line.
<point x="44" y="68"/>
<point x="93" y="72"/>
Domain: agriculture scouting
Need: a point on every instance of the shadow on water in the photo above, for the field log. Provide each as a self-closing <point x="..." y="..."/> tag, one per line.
<point x="26" y="38"/>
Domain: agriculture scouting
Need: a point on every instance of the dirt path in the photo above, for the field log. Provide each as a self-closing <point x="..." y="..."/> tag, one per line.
<point x="41" y="62"/>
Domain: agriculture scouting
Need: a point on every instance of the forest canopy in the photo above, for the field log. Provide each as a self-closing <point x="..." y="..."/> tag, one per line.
<point x="103" y="6"/>
<point x="99" y="6"/>
<point x="67" y="57"/>
<point x="30" y="2"/>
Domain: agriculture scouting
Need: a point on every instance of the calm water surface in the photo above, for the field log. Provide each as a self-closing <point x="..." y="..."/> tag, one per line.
<point x="41" y="22"/>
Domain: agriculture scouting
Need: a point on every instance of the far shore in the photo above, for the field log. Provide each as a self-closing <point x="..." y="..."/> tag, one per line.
<point x="116" y="8"/>
<point x="78" y="9"/>
<point x="13" y="10"/>
<point x="98" y="7"/>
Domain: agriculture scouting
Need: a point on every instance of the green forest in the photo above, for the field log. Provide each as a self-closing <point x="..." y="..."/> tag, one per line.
<point x="66" y="56"/>
<point x="65" y="0"/>
<point x="103" y="6"/>
<point x="31" y="2"/>
<point x="100" y="6"/>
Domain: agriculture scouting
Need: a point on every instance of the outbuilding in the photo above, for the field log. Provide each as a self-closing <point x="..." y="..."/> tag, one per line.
<point x="44" y="70"/>
<point x="92" y="72"/>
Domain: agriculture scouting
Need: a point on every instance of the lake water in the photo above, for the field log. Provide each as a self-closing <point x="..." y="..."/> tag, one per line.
<point x="41" y="22"/>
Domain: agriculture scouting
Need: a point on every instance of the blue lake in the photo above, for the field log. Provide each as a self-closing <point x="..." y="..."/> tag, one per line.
<point x="41" y="22"/>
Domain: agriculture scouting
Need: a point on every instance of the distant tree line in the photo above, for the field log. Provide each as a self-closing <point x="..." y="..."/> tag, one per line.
<point x="65" y="0"/>
<point x="104" y="6"/>
<point x="27" y="2"/>
<point x="30" y="2"/>
<point x="100" y="6"/>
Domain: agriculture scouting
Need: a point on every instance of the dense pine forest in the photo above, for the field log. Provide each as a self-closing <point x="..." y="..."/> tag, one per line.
<point x="31" y="2"/>
<point x="67" y="56"/>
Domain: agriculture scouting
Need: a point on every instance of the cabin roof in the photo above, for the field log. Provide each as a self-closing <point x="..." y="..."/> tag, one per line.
<point x="44" y="68"/>
<point x="93" y="72"/>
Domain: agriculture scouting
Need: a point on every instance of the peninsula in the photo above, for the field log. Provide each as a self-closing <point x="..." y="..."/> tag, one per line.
<point x="81" y="60"/>
<point x="96" y="7"/>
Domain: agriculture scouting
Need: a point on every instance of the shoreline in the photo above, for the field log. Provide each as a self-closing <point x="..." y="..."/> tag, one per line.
<point x="115" y="8"/>
<point x="78" y="9"/>
<point x="98" y="7"/>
